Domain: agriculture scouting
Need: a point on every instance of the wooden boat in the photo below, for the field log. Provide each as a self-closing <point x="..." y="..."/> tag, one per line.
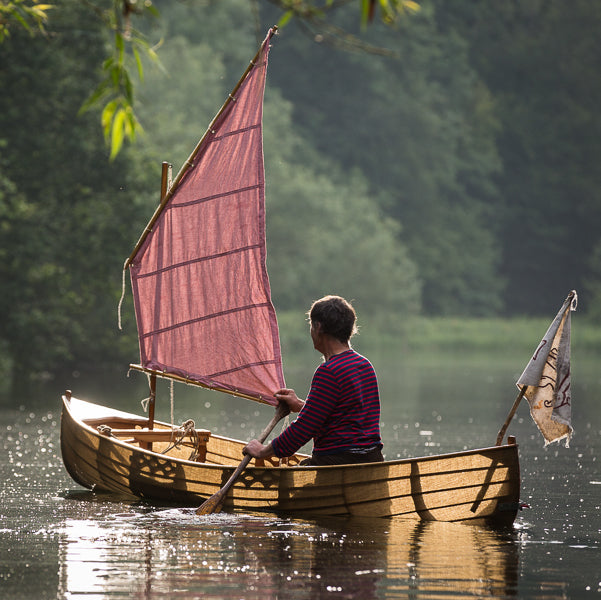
<point x="205" y="317"/>
<point x="106" y="449"/>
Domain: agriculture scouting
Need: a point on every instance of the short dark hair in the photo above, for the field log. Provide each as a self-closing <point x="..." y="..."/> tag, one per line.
<point x="336" y="316"/>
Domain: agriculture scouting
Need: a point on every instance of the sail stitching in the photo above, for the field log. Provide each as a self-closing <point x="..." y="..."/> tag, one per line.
<point x="214" y="197"/>
<point x="200" y="259"/>
<point x="237" y="130"/>
<point x="205" y="318"/>
<point x="217" y="138"/>
<point x="241" y="368"/>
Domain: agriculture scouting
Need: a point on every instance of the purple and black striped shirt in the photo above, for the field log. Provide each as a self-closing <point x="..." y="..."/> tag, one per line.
<point x="342" y="410"/>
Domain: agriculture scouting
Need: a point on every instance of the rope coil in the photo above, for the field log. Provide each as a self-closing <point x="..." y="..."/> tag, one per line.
<point x="187" y="428"/>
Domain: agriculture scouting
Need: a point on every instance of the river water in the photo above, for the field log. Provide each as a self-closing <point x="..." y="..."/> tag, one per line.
<point x="61" y="541"/>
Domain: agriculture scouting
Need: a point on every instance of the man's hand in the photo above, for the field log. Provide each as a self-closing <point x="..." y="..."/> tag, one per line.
<point x="289" y="396"/>
<point x="255" y="449"/>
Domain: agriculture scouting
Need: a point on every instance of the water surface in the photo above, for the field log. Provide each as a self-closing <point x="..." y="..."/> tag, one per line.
<point x="61" y="541"/>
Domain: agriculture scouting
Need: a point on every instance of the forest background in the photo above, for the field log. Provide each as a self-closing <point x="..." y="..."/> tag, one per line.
<point x="448" y="185"/>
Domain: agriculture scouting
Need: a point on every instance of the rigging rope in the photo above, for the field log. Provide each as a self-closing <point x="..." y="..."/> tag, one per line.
<point x="171" y="399"/>
<point x="122" y="295"/>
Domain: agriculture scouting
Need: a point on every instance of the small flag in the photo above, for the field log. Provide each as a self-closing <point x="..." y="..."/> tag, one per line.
<point x="547" y="377"/>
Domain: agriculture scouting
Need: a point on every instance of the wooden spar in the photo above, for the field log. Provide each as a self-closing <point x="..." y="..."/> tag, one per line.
<point x="189" y="163"/>
<point x="189" y="381"/>
<point x="516" y="403"/>
<point x="153" y="395"/>
<point x="146" y="444"/>
<point x="165" y="176"/>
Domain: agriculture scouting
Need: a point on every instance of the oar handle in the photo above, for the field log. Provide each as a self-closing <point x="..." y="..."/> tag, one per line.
<point x="214" y="502"/>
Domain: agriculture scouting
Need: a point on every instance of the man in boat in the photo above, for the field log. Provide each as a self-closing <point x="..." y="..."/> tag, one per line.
<point x="342" y="411"/>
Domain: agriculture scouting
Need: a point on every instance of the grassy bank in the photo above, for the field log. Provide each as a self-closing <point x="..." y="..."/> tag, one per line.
<point x="422" y="339"/>
<point x="452" y="335"/>
<point x="489" y="335"/>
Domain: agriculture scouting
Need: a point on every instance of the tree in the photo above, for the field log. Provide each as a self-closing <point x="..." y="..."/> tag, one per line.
<point x="69" y="218"/>
<point x="29" y="15"/>
<point x="67" y="215"/>
<point x="421" y="128"/>
<point x="540" y="61"/>
<point x="115" y="91"/>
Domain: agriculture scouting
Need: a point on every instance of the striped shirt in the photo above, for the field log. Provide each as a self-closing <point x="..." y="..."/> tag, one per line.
<point x="342" y="410"/>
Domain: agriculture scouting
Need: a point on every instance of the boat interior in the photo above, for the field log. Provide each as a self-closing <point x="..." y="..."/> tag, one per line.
<point x="185" y="442"/>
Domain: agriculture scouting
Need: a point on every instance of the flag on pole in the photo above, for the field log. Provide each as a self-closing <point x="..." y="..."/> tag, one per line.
<point x="547" y="377"/>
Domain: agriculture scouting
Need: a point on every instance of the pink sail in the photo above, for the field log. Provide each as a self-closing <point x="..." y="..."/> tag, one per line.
<point x="199" y="278"/>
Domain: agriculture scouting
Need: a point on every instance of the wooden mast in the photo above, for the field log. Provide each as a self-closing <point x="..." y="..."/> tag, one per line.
<point x="165" y="177"/>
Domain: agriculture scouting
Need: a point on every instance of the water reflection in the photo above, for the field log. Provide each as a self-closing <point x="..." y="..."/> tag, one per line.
<point x="174" y="553"/>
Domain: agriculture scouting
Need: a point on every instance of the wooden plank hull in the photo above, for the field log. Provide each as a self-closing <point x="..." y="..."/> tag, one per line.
<point x="480" y="485"/>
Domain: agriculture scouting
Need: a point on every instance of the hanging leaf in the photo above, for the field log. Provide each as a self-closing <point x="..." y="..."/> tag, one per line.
<point x="107" y="117"/>
<point x="117" y="133"/>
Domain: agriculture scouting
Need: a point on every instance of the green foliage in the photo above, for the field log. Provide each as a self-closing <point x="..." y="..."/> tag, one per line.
<point x="460" y="176"/>
<point x="27" y="14"/>
<point x="68" y="219"/>
<point x="326" y="233"/>
<point x="115" y="92"/>
<point x="420" y="128"/>
<point x="540" y="62"/>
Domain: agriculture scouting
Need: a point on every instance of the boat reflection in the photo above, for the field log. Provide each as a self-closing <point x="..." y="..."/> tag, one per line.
<point x="176" y="554"/>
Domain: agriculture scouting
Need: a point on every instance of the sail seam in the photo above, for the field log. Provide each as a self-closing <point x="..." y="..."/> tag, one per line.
<point x="234" y="132"/>
<point x="214" y="197"/>
<point x="199" y="259"/>
<point x="204" y="318"/>
<point x="242" y="367"/>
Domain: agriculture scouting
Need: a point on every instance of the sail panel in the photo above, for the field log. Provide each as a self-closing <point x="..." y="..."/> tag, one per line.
<point x="248" y="370"/>
<point x="195" y="230"/>
<point x="204" y="300"/>
<point x="199" y="279"/>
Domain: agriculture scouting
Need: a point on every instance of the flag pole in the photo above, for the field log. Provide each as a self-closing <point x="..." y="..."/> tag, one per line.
<point x="503" y="429"/>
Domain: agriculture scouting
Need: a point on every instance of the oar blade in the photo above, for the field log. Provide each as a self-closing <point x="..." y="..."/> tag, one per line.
<point x="212" y="505"/>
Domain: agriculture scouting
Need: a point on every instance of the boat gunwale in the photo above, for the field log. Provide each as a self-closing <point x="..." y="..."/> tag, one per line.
<point x="304" y="468"/>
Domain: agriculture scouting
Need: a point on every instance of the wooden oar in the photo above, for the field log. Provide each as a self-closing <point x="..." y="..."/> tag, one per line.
<point x="213" y="504"/>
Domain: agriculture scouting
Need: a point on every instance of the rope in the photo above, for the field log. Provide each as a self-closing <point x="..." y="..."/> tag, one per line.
<point x="171" y="396"/>
<point x="145" y="401"/>
<point x="122" y="295"/>
<point x="187" y="428"/>
<point x="105" y="430"/>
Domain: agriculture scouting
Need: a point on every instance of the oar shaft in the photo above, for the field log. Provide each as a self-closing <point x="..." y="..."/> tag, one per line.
<point x="214" y="502"/>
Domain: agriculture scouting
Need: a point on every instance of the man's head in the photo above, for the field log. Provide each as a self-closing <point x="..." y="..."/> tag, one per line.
<point x="336" y="317"/>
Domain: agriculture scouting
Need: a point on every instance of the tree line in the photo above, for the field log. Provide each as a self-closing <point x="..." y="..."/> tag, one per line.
<point x="453" y="174"/>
